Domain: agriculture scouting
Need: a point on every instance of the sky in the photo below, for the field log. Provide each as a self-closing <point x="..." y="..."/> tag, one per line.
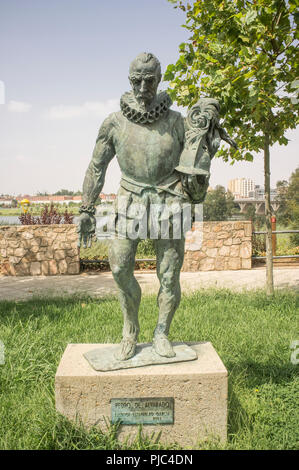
<point x="63" y="68"/>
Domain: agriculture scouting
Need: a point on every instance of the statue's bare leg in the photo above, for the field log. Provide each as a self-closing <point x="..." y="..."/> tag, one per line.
<point x="122" y="262"/>
<point x="170" y="256"/>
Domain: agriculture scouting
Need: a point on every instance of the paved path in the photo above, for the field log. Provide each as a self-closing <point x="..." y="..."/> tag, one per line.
<point x="100" y="284"/>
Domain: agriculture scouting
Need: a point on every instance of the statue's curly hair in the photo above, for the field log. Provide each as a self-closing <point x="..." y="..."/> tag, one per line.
<point x="146" y="57"/>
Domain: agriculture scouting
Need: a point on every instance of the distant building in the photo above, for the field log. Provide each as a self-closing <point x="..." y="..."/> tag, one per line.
<point x="259" y="193"/>
<point x="108" y="197"/>
<point x="55" y="199"/>
<point x="47" y="199"/>
<point x="4" y="201"/>
<point x="241" y="187"/>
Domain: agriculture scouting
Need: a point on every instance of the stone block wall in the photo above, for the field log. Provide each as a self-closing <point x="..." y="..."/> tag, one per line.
<point x="218" y="246"/>
<point x="39" y="250"/>
<point x="30" y="250"/>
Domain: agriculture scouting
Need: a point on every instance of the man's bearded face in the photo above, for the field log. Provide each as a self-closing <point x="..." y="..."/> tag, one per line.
<point x="144" y="79"/>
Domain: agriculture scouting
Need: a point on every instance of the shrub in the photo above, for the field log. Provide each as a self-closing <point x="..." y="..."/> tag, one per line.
<point x="48" y="216"/>
<point x="258" y="245"/>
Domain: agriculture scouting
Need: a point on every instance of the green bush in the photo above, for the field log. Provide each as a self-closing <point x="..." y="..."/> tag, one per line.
<point x="99" y="250"/>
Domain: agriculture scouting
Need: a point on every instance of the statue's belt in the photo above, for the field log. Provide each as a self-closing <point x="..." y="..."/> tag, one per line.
<point x="137" y="187"/>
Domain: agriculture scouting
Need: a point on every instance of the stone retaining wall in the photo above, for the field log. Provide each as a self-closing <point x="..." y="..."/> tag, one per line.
<point x="52" y="249"/>
<point x="39" y="249"/>
<point x="218" y="246"/>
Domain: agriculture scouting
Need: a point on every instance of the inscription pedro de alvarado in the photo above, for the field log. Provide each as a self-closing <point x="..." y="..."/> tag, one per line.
<point x="142" y="410"/>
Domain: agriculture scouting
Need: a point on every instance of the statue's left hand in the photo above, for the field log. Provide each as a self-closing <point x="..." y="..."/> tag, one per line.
<point x="86" y="229"/>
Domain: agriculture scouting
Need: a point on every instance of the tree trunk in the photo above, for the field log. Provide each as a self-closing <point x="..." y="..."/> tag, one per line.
<point x="269" y="254"/>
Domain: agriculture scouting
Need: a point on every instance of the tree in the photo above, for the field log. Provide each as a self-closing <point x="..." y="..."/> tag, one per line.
<point x="251" y="213"/>
<point x="293" y="205"/>
<point x="64" y="192"/>
<point x="243" y="53"/>
<point x="292" y="196"/>
<point x="288" y="198"/>
<point x="218" y="204"/>
<point x="42" y="193"/>
<point x="281" y="190"/>
<point x="290" y="201"/>
<point x="67" y="192"/>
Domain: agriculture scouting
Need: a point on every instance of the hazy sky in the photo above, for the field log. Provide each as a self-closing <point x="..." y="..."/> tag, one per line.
<point x="64" y="65"/>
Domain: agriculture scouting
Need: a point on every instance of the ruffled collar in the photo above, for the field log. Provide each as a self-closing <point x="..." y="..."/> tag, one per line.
<point x="131" y="110"/>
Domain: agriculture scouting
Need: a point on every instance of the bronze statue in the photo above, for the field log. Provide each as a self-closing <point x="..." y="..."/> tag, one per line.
<point x="164" y="160"/>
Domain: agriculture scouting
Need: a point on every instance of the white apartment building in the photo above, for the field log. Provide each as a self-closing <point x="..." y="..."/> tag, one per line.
<point x="241" y="187"/>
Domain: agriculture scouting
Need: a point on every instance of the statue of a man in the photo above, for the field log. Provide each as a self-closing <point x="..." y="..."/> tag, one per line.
<point x="148" y="139"/>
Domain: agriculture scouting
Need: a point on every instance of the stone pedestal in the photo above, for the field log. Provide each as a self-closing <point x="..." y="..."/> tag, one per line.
<point x="198" y="389"/>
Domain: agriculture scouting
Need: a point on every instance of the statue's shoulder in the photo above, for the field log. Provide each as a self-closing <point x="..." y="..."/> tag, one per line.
<point x="175" y="114"/>
<point x="175" y="117"/>
<point x="116" y="120"/>
<point x="110" y="123"/>
<point x="112" y="119"/>
<point x="176" y="120"/>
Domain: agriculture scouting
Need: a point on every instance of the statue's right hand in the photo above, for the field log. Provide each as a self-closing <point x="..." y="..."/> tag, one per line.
<point x="86" y="229"/>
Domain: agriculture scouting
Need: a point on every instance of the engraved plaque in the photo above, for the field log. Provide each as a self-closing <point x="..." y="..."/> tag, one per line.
<point x="142" y="410"/>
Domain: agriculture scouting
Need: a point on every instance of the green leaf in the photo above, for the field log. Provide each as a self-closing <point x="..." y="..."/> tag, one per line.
<point x="248" y="156"/>
<point x="209" y="58"/>
<point x="244" y="38"/>
<point x="249" y="74"/>
<point x="250" y="16"/>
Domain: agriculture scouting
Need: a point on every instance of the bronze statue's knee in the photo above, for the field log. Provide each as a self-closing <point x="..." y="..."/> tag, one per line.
<point x="121" y="273"/>
<point x="170" y="280"/>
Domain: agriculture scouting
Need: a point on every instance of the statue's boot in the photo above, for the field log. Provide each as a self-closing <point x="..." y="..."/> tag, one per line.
<point x="122" y="262"/>
<point x="126" y="349"/>
<point x="128" y="343"/>
<point x="170" y="255"/>
<point x="168" y="300"/>
<point x="130" y="304"/>
<point x="162" y="345"/>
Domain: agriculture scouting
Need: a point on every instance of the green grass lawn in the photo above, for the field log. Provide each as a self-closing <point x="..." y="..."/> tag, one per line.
<point x="251" y="333"/>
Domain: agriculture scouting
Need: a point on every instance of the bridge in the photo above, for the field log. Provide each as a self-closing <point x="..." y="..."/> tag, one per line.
<point x="259" y="205"/>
